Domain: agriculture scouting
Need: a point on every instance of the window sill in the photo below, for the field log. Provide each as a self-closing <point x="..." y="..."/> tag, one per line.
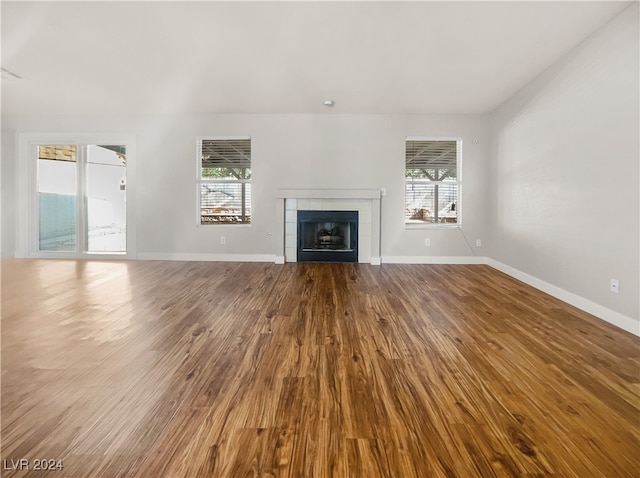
<point x="223" y="224"/>
<point x="416" y="225"/>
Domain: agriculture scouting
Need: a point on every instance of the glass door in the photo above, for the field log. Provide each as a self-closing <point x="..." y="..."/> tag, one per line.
<point x="81" y="198"/>
<point x="57" y="193"/>
<point x="106" y="211"/>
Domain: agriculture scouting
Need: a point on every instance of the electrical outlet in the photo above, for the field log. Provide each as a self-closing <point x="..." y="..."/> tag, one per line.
<point x="383" y="191"/>
<point x="478" y="243"/>
<point x="427" y="242"/>
<point x="614" y="286"/>
<point x="223" y="240"/>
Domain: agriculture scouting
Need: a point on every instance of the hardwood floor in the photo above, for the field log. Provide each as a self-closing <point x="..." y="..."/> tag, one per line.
<point x="186" y="369"/>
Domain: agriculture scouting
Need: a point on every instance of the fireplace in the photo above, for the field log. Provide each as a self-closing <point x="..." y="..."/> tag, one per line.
<point x="327" y="236"/>
<point x="365" y="201"/>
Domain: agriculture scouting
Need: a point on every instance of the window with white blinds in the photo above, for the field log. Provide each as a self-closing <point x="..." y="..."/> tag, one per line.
<point x="224" y="180"/>
<point x="432" y="181"/>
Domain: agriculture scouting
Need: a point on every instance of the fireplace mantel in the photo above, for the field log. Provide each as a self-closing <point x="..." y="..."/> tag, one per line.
<point x="329" y="194"/>
<point x="368" y="200"/>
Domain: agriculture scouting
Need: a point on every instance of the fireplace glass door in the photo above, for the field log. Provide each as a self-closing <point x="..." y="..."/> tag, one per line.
<point x="328" y="236"/>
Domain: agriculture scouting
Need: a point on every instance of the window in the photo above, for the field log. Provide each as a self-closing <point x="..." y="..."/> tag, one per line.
<point x="224" y="180"/>
<point x="432" y="181"/>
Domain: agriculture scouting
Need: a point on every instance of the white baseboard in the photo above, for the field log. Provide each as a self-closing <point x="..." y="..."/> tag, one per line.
<point x="434" y="260"/>
<point x="615" y="318"/>
<point x="376" y="261"/>
<point x="183" y="256"/>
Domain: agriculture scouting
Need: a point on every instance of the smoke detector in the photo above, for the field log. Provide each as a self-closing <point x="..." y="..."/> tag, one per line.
<point x="329" y="103"/>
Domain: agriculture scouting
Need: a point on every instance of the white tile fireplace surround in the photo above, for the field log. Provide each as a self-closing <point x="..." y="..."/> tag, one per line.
<point x="365" y="201"/>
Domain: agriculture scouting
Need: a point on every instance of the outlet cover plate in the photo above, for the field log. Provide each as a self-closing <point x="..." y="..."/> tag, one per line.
<point x="614" y="286"/>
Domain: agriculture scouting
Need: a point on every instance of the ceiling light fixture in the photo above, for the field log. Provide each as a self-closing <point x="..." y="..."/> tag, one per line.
<point x="329" y="103"/>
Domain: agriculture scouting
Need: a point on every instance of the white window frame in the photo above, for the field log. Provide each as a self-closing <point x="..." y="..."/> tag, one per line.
<point x="200" y="181"/>
<point x="436" y="225"/>
<point x="27" y="190"/>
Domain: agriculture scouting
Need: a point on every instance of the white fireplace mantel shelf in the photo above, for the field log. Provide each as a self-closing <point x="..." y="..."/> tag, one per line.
<point x="368" y="231"/>
<point x="329" y="193"/>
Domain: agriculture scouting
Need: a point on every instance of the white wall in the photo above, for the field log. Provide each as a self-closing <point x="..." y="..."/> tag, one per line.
<point x="288" y="151"/>
<point x="565" y="172"/>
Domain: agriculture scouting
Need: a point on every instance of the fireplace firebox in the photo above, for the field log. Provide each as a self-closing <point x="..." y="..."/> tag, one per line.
<point x="327" y="236"/>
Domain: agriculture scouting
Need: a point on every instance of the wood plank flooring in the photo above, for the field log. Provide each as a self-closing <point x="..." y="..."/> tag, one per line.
<point x="187" y="369"/>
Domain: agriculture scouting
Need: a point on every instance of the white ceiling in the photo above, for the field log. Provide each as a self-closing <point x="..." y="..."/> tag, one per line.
<point x="283" y="57"/>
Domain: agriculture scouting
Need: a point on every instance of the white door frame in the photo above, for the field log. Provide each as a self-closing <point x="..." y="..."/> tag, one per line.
<point x="26" y="192"/>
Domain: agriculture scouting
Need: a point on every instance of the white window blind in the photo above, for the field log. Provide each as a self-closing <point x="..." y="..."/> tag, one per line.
<point x="224" y="181"/>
